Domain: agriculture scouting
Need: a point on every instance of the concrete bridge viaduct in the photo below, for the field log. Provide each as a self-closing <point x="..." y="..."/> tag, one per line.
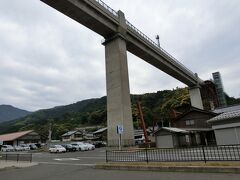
<point x="121" y="36"/>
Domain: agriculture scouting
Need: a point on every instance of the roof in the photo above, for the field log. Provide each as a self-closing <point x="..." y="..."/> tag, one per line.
<point x="100" y="130"/>
<point x="69" y="133"/>
<point x="183" y="130"/>
<point x="172" y="129"/>
<point x="197" y="129"/>
<point x="227" y="109"/>
<point x="198" y="110"/>
<point x="14" y="136"/>
<point x="225" y="116"/>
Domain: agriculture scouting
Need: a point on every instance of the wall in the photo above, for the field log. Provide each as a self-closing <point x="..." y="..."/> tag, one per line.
<point x="228" y="136"/>
<point x="198" y="117"/>
<point x="165" y="141"/>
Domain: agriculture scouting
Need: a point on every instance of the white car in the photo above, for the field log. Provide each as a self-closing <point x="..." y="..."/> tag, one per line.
<point x="18" y="148"/>
<point x="90" y="146"/>
<point x="7" y="148"/>
<point x="25" y="147"/>
<point x="56" y="149"/>
<point x="80" y="146"/>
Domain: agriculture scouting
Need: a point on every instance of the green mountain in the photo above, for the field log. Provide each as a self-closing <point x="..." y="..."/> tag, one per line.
<point x="8" y="113"/>
<point x="156" y="108"/>
<point x="93" y="112"/>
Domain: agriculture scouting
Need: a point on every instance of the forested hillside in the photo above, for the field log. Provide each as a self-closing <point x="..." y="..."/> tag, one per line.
<point x="156" y="108"/>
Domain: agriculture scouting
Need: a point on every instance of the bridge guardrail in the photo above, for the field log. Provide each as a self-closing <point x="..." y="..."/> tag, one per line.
<point x="103" y="4"/>
<point x="136" y="30"/>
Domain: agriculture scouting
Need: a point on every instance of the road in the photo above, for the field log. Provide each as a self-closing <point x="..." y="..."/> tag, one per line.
<point x="75" y="172"/>
<point x="79" y="166"/>
<point x="80" y="157"/>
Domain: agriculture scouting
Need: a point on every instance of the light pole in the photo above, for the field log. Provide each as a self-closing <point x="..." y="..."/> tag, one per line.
<point x="158" y="40"/>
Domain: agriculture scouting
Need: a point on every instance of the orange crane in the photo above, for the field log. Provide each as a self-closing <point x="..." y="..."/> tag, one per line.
<point x="143" y="126"/>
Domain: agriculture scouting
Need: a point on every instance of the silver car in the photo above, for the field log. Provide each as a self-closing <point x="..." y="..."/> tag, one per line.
<point x="7" y="148"/>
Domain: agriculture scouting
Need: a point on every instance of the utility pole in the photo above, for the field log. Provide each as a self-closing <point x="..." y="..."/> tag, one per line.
<point x="158" y="40"/>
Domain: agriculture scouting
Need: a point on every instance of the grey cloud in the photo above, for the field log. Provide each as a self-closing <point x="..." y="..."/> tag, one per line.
<point x="47" y="59"/>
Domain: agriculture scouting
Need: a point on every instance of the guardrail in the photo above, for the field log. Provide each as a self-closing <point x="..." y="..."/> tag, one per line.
<point x="108" y="8"/>
<point x="204" y="153"/>
<point x="132" y="28"/>
<point x="16" y="157"/>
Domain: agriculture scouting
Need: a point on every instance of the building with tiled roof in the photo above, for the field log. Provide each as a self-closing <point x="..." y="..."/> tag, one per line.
<point x="227" y="127"/>
<point x="22" y="137"/>
<point x="227" y="109"/>
<point x="72" y="136"/>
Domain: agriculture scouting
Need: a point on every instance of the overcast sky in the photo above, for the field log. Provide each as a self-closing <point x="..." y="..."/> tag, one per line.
<point x="47" y="59"/>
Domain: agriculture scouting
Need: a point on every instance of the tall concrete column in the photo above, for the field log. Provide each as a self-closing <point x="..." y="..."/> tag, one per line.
<point x="119" y="110"/>
<point x="195" y="97"/>
<point x="118" y="94"/>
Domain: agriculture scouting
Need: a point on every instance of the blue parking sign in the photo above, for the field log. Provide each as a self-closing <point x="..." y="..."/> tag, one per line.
<point x="120" y="129"/>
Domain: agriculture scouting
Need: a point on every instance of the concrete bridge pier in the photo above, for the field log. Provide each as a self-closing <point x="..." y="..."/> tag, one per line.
<point x="118" y="94"/>
<point x="119" y="110"/>
<point x="195" y="97"/>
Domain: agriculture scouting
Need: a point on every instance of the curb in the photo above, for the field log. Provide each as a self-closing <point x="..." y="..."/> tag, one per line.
<point x="195" y="169"/>
<point x="7" y="165"/>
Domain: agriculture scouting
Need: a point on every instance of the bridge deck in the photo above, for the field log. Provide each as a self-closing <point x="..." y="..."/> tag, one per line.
<point x="99" y="17"/>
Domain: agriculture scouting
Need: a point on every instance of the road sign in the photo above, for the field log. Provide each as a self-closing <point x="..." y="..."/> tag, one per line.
<point x="119" y="129"/>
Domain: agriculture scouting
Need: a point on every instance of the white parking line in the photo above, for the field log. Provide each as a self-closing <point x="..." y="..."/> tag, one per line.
<point x="66" y="159"/>
<point x="68" y="164"/>
<point x="92" y="157"/>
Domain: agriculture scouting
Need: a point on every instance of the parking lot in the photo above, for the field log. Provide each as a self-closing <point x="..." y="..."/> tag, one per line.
<point x="80" y="165"/>
<point x="77" y="158"/>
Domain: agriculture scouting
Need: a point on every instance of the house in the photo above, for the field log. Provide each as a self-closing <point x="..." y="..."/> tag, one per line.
<point x="188" y="129"/>
<point x="168" y="137"/>
<point x="72" y="136"/>
<point x="227" y="127"/>
<point x="138" y="135"/>
<point x="23" y="137"/>
<point x="101" y="134"/>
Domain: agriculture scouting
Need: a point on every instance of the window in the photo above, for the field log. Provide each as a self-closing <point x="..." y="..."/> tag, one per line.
<point x="189" y="122"/>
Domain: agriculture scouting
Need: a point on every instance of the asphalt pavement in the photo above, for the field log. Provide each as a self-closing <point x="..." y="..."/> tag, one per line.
<point x="76" y="158"/>
<point x="80" y="166"/>
<point x="78" y="172"/>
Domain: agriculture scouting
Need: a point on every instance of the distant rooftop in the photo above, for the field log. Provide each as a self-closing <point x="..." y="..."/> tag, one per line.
<point x="226" y="115"/>
<point x="71" y="133"/>
<point x="13" y="136"/>
<point x="227" y="109"/>
<point x="173" y="129"/>
<point x="100" y="130"/>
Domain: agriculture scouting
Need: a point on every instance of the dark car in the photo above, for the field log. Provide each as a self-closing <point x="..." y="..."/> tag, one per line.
<point x="69" y="148"/>
<point x="99" y="144"/>
<point x="32" y="146"/>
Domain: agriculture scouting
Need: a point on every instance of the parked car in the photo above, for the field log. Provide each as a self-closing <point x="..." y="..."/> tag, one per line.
<point x="90" y="146"/>
<point x="7" y="148"/>
<point x="69" y="147"/>
<point x="32" y="146"/>
<point x="56" y="149"/>
<point x="18" y="148"/>
<point x="76" y="146"/>
<point x="99" y="144"/>
<point x="25" y="147"/>
<point x="38" y="145"/>
<point x="80" y="146"/>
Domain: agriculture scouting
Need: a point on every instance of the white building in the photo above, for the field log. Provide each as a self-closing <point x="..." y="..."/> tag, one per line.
<point x="227" y="128"/>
